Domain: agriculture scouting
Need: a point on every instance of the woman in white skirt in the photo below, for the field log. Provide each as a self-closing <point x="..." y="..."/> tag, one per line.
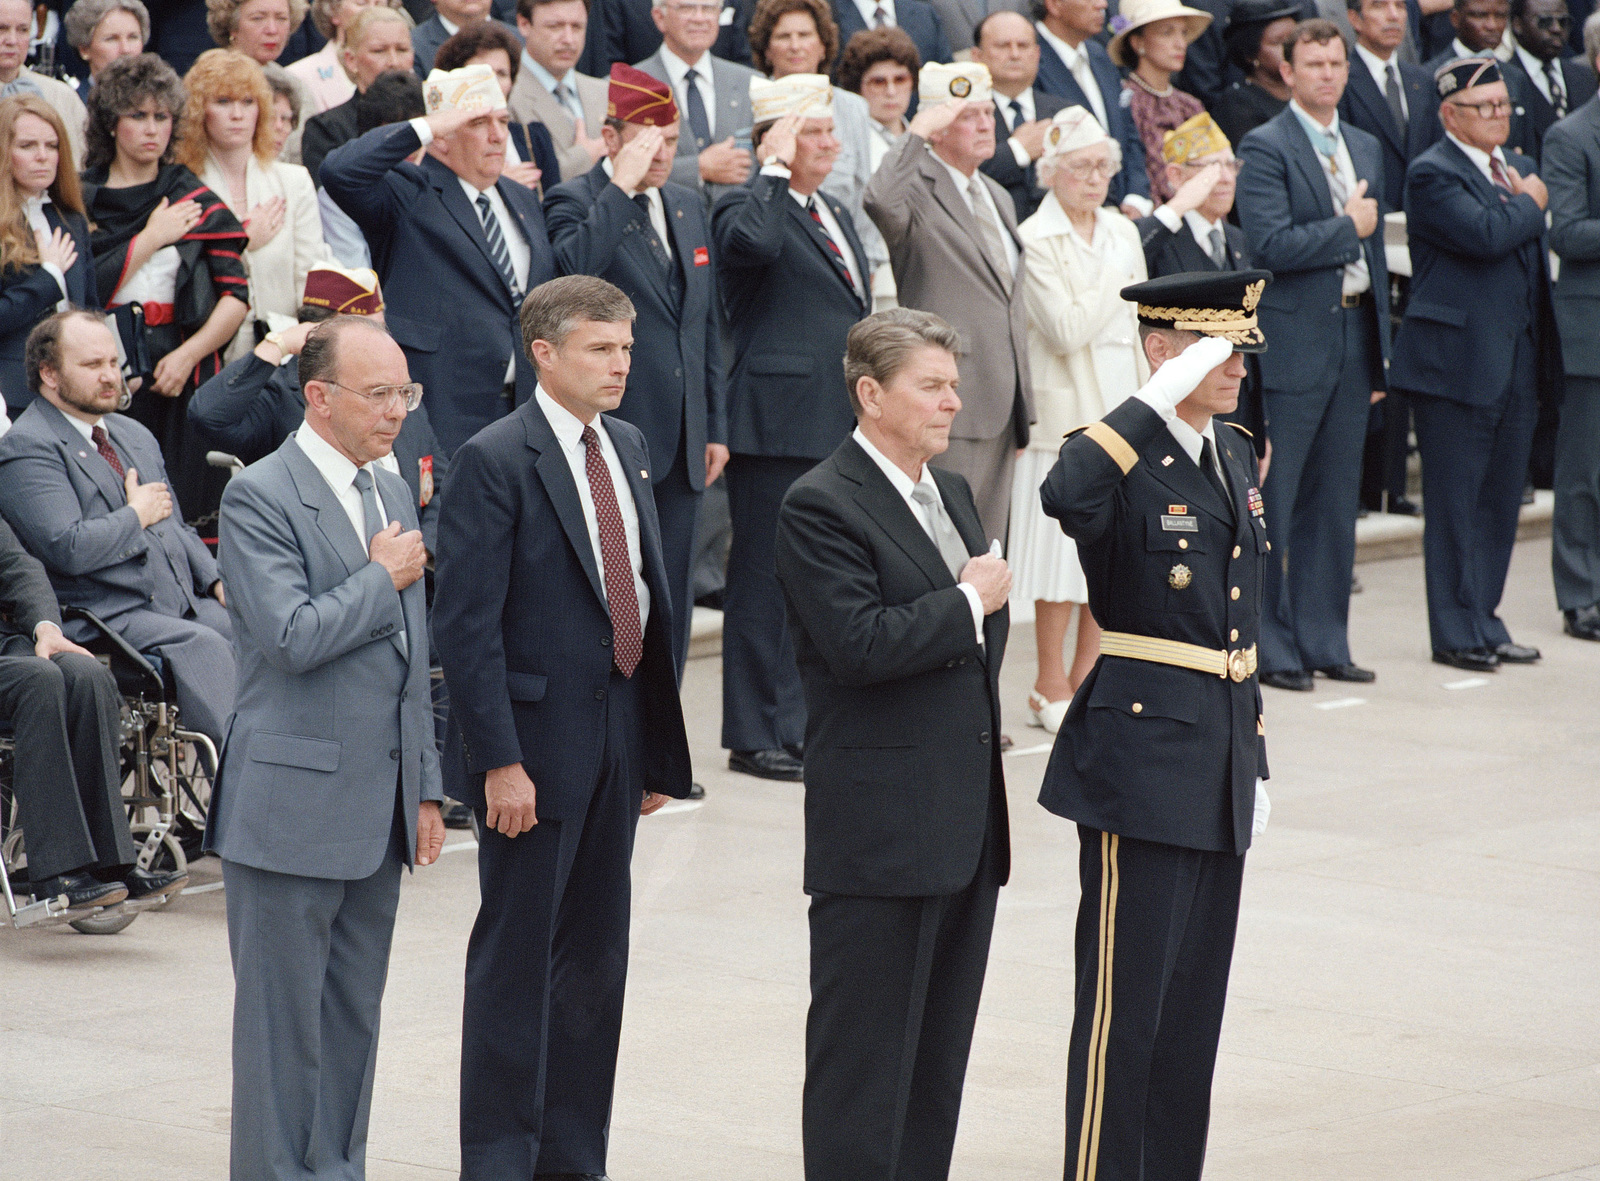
<point x="1083" y="346"/>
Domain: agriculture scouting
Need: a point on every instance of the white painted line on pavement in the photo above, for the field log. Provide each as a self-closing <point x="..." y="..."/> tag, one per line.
<point x="458" y="846"/>
<point x="205" y="889"/>
<point x="1469" y="683"/>
<point x="1042" y="748"/>
<point x="1340" y="703"/>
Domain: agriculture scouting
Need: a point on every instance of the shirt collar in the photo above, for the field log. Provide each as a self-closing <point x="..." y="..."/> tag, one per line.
<point x="653" y="194"/>
<point x="449" y="26"/>
<point x="1533" y="65"/>
<point x="35" y="205"/>
<point x="1316" y="130"/>
<point x="1189" y="439"/>
<point x="548" y="80"/>
<point x="868" y="7"/>
<point x="83" y="428"/>
<point x="903" y="484"/>
<point x="568" y="427"/>
<point x="335" y="468"/>
<point x="677" y="67"/>
<point x="963" y="182"/>
<point x="1478" y="156"/>
<point x="1199" y="224"/>
<point x="1070" y="55"/>
<point x="1376" y="66"/>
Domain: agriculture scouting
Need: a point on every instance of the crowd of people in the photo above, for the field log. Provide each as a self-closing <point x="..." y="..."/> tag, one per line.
<point x="191" y="189"/>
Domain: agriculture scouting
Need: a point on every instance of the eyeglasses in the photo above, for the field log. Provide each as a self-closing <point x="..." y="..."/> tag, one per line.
<point x="382" y="396"/>
<point x="1084" y="169"/>
<point x="1486" y="110"/>
<point x="1232" y="164"/>
<point x="696" y="9"/>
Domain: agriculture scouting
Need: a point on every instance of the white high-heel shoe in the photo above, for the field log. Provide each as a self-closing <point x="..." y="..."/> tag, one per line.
<point x="1047" y="714"/>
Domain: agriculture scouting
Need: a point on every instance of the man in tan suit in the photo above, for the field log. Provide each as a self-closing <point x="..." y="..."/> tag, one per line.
<point x="550" y="91"/>
<point x="952" y="236"/>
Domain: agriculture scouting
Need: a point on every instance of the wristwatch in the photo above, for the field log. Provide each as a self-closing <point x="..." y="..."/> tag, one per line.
<point x="275" y="339"/>
<point x="773" y="159"/>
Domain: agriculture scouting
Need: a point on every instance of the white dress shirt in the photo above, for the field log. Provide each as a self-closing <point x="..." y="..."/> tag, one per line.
<point x="1076" y="59"/>
<point x="903" y="484"/>
<point x="549" y="81"/>
<point x="569" y="434"/>
<point x="1190" y="440"/>
<point x="963" y="183"/>
<point x="1356" y="277"/>
<point x="1535" y="70"/>
<point x="869" y="13"/>
<point x="1013" y="121"/>
<point x="1379" y="69"/>
<point x="1480" y="158"/>
<point x="1199" y="228"/>
<point x="658" y="210"/>
<point x="676" y="69"/>
<point x="33" y="209"/>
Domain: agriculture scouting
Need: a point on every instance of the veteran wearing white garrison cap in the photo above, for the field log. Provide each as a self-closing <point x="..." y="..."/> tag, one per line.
<point x="952" y="236"/>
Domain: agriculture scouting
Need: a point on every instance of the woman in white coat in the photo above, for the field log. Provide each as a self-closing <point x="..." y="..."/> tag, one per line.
<point x="227" y="141"/>
<point x="1083" y="347"/>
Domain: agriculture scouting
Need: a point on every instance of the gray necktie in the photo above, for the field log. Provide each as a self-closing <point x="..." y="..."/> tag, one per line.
<point x="564" y="97"/>
<point x="951" y="547"/>
<point x="880" y="17"/>
<point x="695" y="109"/>
<point x="988" y="232"/>
<point x="1391" y="92"/>
<point x="375" y="524"/>
<point x="1219" y="248"/>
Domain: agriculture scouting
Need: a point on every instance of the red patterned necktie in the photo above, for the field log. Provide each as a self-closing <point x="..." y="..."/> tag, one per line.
<point x="102" y="444"/>
<point x="833" y="247"/>
<point x="627" y="637"/>
<point x="1497" y="170"/>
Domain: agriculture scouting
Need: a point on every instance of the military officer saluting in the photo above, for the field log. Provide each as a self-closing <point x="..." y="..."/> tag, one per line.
<point x="1161" y="755"/>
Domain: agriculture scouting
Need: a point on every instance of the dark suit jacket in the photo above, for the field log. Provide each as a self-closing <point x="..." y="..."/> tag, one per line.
<point x="448" y="306"/>
<point x="916" y="18"/>
<point x="30" y="294"/>
<point x="1536" y="116"/>
<point x="522" y="628"/>
<point x="675" y="390"/>
<point x="1055" y="78"/>
<point x="1571" y="169"/>
<point x="1296" y="233"/>
<point x="623" y="31"/>
<point x="1021" y="183"/>
<point x="324" y="132"/>
<point x="26" y="597"/>
<point x="250" y="407"/>
<point x="902" y="702"/>
<point x="431" y="33"/>
<point x="533" y="142"/>
<point x="1479" y="277"/>
<point x="1364" y="106"/>
<point x="787" y="395"/>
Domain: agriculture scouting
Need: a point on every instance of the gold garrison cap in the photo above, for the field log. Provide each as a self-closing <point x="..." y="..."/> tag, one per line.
<point x="1212" y="303"/>
<point x="1194" y="138"/>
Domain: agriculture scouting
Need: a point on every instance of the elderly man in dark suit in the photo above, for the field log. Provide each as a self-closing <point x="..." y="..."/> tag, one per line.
<point x="1549" y="84"/>
<point x="917" y="18"/>
<point x="455" y="244"/>
<point x="1305" y="201"/>
<point x="1008" y="45"/>
<point x="449" y="18"/>
<point x="627" y="223"/>
<point x="1074" y="65"/>
<point x="781" y="244"/>
<point x="1477" y="344"/>
<point x="554" y="621"/>
<point x="900" y="622"/>
<point x="86" y="492"/>
<point x="1572" y="171"/>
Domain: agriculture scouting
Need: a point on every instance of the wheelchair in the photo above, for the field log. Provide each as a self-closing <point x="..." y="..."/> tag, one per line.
<point x="167" y="776"/>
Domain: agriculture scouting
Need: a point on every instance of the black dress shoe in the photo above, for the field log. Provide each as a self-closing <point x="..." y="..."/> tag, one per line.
<point x="456" y="814"/>
<point x="1474" y="660"/>
<point x="797" y="749"/>
<point x="1583" y="622"/>
<point x="1510" y="653"/>
<point x="1349" y="672"/>
<point x="1296" y="679"/>
<point x="767" y="764"/>
<point x="142" y="883"/>
<point x="1401" y="507"/>
<point x="83" y="891"/>
<point x="696" y="792"/>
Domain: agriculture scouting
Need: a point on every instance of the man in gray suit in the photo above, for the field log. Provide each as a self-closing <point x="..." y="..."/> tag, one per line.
<point x="330" y="779"/>
<point x="713" y="96"/>
<point x="550" y="90"/>
<point x="86" y="492"/>
<point x="1571" y="166"/>
<point x="961" y="18"/>
<point x="952" y="236"/>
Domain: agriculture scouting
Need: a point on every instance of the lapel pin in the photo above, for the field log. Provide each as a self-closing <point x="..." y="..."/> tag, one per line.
<point x="83" y="455"/>
<point x="643" y="475"/>
<point x="1166" y="461"/>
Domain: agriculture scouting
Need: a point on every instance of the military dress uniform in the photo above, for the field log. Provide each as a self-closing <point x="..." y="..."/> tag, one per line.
<point x="1159" y="757"/>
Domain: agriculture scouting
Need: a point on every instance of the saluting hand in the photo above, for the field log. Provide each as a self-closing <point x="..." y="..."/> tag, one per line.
<point x="1193" y="192"/>
<point x="629" y="166"/>
<point x="932" y="119"/>
<point x="150" y="502"/>
<point x="780" y="140"/>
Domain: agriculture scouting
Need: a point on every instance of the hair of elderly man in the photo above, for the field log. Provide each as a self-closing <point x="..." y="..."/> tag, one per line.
<point x="43" y="350"/>
<point x="881" y="345"/>
<point x="122" y="88"/>
<point x="322" y="14"/>
<point x="1591" y="37"/>
<point x="554" y="309"/>
<point x="84" y="17"/>
<point x="319" y="356"/>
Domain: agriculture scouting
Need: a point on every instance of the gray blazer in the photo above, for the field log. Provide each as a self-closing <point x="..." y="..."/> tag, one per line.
<point x="1570" y="165"/>
<point x="71" y="512"/>
<point x="329" y="713"/>
<point x="940" y="267"/>
<point x="961" y="17"/>
<point x="731" y="82"/>
<point x="530" y="102"/>
<point x="853" y="169"/>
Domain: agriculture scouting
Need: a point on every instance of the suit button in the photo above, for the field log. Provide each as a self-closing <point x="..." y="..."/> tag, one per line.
<point x="984" y="737"/>
<point x="963" y="660"/>
<point x="1236" y="551"/>
<point x="1138" y="707"/>
<point x="605" y="641"/>
<point x="395" y="755"/>
<point x="1233" y="636"/>
<point x="1234" y="593"/>
<point x="1183" y="543"/>
<point x="599" y="694"/>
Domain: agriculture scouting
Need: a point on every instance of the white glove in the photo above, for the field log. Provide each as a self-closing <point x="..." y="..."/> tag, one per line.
<point x="1176" y="379"/>
<point x="1263" y="810"/>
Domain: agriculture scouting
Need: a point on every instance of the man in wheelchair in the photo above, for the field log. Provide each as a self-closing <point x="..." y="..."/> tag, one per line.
<point x="65" y="714"/>
<point x="86" y="491"/>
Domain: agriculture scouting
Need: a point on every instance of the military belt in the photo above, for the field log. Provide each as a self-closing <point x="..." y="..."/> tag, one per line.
<point x="1220" y="662"/>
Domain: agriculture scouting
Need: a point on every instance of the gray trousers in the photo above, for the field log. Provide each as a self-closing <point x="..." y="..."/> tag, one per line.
<point x="310" y="958"/>
<point x="199" y="651"/>
<point x="1575" y="528"/>
<point x="988" y="465"/>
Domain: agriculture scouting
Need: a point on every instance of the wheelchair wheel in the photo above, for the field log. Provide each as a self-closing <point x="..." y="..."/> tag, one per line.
<point x="167" y="856"/>
<point x="106" y="923"/>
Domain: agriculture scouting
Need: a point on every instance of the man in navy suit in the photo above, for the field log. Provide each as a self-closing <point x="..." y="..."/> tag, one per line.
<point x="455" y="244"/>
<point x="1008" y="45"/>
<point x="627" y="223"/>
<point x="1073" y="65"/>
<point x="1548" y="84"/>
<point x="916" y="17"/>
<point x="1477" y="344"/>
<point x="554" y="624"/>
<point x="1303" y="201"/>
<point x="781" y="245"/>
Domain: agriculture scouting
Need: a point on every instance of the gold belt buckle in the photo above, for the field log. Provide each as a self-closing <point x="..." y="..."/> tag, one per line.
<point x="1238" y="666"/>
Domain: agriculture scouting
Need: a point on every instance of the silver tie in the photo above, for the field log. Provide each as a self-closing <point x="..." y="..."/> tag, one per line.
<point x="988" y="232"/>
<point x="943" y="530"/>
<point x="375" y="524"/>
<point x="1219" y="249"/>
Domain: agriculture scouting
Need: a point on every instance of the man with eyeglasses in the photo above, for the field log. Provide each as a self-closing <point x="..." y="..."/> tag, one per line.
<point x="330" y="781"/>
<point x="1477" y="344"/>
<point x="1550" y="84"/>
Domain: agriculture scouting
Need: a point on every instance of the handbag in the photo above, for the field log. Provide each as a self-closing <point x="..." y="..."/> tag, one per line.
<point x="133" y="349"/>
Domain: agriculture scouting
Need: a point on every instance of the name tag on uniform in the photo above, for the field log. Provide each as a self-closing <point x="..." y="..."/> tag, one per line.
<point x="1180" y="524"/>
<point x="1254" y="499"/>
<point x="702" y="256"/>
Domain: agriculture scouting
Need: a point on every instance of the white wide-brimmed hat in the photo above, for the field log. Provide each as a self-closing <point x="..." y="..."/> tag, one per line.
<point x="1135" y="14"/>
<point x="793" y="94"/>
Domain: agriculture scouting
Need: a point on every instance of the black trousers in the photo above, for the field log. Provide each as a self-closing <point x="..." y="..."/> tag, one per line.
<point x="65" y="713"/>
<point x="1154" y="944"/>
<point x="1383" y="462"/>
<point x="547" y="964"/>
<point x="677" y="509"/>
<point x="1474" y="467"/>
<point x="763" y="706"/>
<point x="895" y="985"/>
<point x="1575" y="526"/>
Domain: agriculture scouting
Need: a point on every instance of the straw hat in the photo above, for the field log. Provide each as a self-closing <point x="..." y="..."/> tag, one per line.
<point x="1136" y="14"/>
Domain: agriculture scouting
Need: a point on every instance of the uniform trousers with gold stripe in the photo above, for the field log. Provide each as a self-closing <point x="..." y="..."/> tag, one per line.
<point x="1154" y="942"/>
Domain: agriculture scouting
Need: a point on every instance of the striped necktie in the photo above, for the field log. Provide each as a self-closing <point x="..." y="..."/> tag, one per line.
<point x="834" y="252"/>
<point x="497" y="246"/>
